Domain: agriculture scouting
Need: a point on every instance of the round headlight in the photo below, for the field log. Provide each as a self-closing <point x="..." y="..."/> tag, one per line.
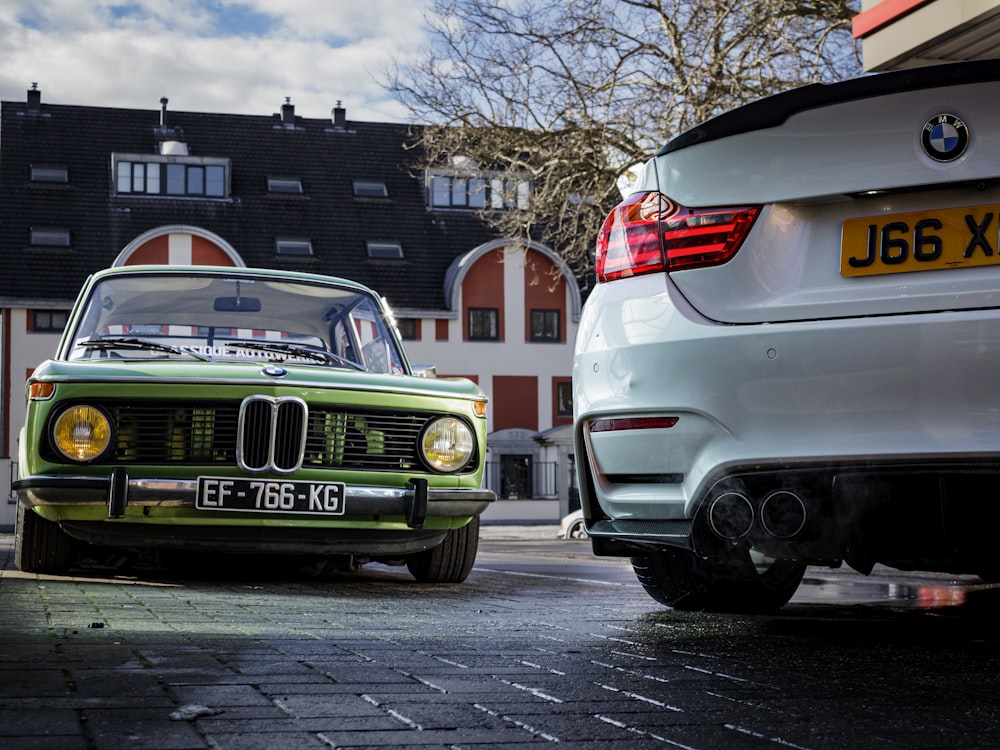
<point x="82" y="433"/>
<point x="447" y="444"/>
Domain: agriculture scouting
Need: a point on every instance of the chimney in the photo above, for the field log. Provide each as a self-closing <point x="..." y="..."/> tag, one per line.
<point x="288" y="113"/>
<point x="163" y="112"/>
<point x="339" y="116"/>
<point x="34" y="98"/>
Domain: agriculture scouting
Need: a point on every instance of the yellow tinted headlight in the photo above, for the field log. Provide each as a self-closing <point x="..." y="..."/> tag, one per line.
<point x="447" y="444"/>
<point x="81" y="433"/>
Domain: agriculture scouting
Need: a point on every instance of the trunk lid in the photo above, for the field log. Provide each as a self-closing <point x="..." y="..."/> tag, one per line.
<point x="881" y="196"/>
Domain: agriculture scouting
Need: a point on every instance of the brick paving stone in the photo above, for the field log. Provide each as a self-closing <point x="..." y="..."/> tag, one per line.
<point x="38" y="682"/>
<point x="326" y="706"/>
<point x="136" y="682"/>
<point x="218" y="696"/>
<point x="243" y="740"/>
<point x="41" y="722"/>
<point x="46" y="742"/>
<point x="114" y="729"/>
<point x="277" y="726"/>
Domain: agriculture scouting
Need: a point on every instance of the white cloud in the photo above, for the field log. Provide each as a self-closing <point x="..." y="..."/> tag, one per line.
<point x="210" y="56"/>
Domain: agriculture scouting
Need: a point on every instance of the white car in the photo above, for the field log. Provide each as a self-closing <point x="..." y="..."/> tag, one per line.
<point x="792" y="356"/>
<point x="572" y="526"/>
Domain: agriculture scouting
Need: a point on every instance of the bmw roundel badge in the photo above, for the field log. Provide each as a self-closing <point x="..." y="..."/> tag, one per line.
<point x="274" y="371"/>
<point x="944" y="137"/>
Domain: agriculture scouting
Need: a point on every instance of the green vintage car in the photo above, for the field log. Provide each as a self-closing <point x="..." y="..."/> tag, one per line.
<point x="246" y="411"/>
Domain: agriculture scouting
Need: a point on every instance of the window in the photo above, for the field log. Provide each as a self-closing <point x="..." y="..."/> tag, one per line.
<point x="284" y="185"/>
<point x="370" y="189"/>
<point x="47" y="321"/>
<point x="49" y="173"/>
<point x="173" y="176"/>
<point x="484" y="324"/>
<point x="293" y="246"/>
<point x="545" y="325"/>
<point x="477" y="192"/>
<point x="215" y="181"/>
<point x="408" y="330"/>
<point x="50" y="237"/>
<point x="564" y="399"/>
<point x="384" y="250"/>
<point x="175" y="179"/>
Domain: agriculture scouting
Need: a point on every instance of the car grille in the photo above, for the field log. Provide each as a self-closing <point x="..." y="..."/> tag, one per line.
<point x="212" y="433"/>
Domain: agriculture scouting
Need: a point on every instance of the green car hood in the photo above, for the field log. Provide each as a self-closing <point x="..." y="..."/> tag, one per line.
<point x="252" y="373"/>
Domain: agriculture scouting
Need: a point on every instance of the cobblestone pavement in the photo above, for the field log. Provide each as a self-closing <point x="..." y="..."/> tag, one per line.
<point x="575" y="654"/>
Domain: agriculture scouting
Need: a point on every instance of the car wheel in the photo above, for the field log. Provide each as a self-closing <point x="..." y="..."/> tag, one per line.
<point x="450" y="561"/>
<point x="744" y="581"/>
<point x="40" y="546"/>
<point x="577" y="531"/>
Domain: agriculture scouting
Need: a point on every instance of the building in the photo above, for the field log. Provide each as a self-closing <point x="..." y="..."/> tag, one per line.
<point x="910" y="33"/>
<point x="83" y="188"/>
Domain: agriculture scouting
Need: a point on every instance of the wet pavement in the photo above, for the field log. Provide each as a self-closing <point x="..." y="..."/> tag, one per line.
<point x="543" y="644"/>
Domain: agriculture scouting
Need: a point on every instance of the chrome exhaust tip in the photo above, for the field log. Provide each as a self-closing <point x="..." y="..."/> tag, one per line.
<point x="783" y="514"/>
<point x="730" y="515"/>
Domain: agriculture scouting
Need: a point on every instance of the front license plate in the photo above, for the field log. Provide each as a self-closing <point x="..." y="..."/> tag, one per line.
<point x="949" y="238"/>
<point x="270" y="496"/>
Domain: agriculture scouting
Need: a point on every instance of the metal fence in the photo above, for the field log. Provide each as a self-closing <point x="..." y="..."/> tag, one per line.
<point x="523" y="479"/>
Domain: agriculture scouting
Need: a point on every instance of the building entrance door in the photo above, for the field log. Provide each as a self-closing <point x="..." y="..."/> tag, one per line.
<point x="515" y="477"/>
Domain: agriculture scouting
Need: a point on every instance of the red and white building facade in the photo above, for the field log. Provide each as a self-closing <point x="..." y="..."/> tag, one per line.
<point x="291" y="193"/>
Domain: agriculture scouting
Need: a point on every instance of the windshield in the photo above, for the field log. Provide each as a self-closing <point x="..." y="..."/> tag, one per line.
<point x="216" y="317"/>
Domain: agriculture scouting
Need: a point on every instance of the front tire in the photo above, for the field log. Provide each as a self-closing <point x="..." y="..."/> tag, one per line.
<point x="449" y="562"/>
<point x="736" y="582"/>
<point x="40" y="546"/>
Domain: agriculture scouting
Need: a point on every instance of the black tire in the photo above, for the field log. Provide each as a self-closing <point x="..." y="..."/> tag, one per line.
<point x="735" y="583"/>
<point x="449" y="562"/>
<point x="577" y="531"/>
<point x="40" y="546"/>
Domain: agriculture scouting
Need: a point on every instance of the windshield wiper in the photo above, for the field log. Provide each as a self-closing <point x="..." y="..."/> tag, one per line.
<point x="122" y="342"/>
<point x="305" y="352"/>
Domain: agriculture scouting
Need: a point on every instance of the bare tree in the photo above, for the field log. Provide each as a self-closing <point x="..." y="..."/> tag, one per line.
<point x="572" y="94"/>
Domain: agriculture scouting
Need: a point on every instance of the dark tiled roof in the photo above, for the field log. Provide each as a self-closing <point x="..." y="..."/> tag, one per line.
<point x="327" y="160"/>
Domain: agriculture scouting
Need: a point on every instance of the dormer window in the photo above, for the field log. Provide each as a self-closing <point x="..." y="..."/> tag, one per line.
<point x="49" y="173"/>
<point x="493" y="191"/>
<point x="385" y="250"/>
<point x="171" y="176"/>
<point x="370" y="189"/>
<point x="288" y="185"/>
<point x="293" y="246"/>
<point x="50" y="237"/>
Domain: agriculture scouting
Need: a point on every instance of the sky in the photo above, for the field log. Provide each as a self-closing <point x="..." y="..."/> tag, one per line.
<point x="227" y="56"/>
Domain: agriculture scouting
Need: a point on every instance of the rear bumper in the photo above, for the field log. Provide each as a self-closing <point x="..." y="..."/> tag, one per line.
<point x="884" y="390"/>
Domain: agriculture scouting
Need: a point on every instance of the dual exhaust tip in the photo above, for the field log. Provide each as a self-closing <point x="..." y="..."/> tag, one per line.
<point x="782" y="515"/>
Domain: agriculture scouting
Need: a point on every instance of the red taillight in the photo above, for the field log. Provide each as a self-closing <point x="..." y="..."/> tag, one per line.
<point x="630" y="243"/>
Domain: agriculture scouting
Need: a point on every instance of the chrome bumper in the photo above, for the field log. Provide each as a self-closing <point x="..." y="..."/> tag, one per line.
<point x="117" y="491"/>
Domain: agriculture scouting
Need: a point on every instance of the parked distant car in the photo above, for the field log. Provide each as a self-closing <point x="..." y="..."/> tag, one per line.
<point x="790" y="357"/>
<point x="249" y="411"/>
<point x="572" y="526"/>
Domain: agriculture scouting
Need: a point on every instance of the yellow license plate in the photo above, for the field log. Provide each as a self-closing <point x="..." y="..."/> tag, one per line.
<point x="924" y="241"/>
